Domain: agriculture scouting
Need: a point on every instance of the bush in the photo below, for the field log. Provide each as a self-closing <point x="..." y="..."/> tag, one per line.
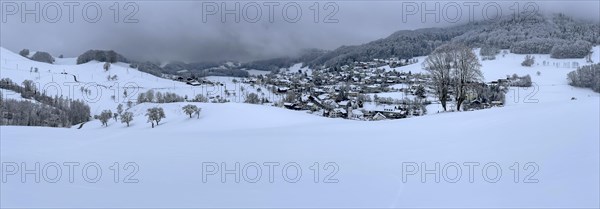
<point x="200" y="98"/>
<point x="529" y="61"/>
<point x="252" y="98"/>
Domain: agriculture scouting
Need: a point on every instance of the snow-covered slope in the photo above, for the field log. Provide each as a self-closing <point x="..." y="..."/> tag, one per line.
<point x="556" y="135"/>
<point x="560" y="138"/>
<point x="66" y="79"/>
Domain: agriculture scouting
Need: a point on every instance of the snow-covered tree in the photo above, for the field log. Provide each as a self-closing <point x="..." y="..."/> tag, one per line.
<point x="46" y="111"/>
<point x="127" y="117"/>
<point x="190" y="109"/>
<point x="105" y="116"/>
<point x="197" y="112"/>
<point x="252" y="98"/>
<point x="150" y="95"/>
<point x="106" y="66"/>
<point x="141" y="98"/>
<point x="155" y="114"/>
<point x="120" y="109"/>
<point x="159" y="97"/>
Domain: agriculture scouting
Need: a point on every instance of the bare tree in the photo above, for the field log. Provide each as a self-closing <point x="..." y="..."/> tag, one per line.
<point x="465" y="72"/>
<point x="439" y="65"/>
<point x="453" y="65"/>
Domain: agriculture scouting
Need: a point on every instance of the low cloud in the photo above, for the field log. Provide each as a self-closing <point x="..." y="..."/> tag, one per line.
<point x="195" y="31"/>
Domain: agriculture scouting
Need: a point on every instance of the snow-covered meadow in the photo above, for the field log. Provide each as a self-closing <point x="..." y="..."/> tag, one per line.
<point x="540" y="150"/>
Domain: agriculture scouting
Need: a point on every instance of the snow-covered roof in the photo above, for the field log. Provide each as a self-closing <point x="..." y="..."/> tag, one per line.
<point x="341" y="110"/>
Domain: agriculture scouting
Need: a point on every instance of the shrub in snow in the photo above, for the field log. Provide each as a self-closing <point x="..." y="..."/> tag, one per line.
<point x="521" y="81"/>
<point x="252" y="98"/>
<point x="529" y="61"/>
<point x="200" y="98"/>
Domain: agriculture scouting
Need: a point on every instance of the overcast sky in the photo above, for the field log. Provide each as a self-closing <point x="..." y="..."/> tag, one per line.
<point x="195" y="31"/>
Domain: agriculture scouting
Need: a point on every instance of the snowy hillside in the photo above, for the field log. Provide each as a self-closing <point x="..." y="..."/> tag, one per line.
<point x="65" y="78"/>
<point x="554" y="140"/>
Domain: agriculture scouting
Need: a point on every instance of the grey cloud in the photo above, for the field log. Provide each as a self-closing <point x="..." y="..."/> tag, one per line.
<point x="170" y="30"/>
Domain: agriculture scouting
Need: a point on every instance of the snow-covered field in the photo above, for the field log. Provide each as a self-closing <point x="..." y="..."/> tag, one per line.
<point x="554" y="140"/>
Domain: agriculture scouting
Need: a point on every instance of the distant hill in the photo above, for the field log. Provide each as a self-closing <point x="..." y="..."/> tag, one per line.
<point x="536" y="34"/>
<point x="305" y="56"/>
<point x="525" y="34"/>
<point x="559" y="35"/>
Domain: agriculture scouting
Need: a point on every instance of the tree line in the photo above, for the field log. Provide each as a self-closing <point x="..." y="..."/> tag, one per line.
<point x="586" y="77"/>
<point x="43" y="111"/>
